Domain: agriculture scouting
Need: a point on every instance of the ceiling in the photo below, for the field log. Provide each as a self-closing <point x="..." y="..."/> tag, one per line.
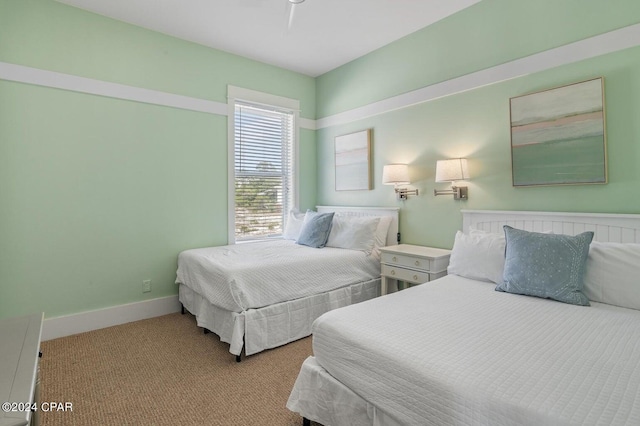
<point x="323" y="34"/>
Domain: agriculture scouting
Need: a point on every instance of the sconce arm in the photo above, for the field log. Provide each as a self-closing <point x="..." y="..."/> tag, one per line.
<point x="403" y="193"/>
<point x="458" y="192"/>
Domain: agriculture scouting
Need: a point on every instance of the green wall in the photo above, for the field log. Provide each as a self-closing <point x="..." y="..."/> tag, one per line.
<point x="475" y="124"/>
<point x="96" y="193"/>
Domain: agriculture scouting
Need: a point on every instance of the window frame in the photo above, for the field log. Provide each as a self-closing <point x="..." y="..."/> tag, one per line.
<point x="257" y="98"/>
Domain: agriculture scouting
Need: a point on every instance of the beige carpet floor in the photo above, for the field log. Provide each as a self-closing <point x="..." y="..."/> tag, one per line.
<point x="165" y="371"/>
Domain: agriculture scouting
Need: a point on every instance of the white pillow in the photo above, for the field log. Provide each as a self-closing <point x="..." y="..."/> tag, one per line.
<point x="383" y="229"/>
<point x="294" y="225"/>
<point x="381" y="235"/>
<point x="353" y="232"/>
<point x="478" y="255"/>
<point x="612" y="274"/>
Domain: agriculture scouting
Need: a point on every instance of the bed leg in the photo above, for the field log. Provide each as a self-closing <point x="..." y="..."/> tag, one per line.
<point x="182" y="309"/>
<point x="306" y="422"/>
<point x="239" y="356"/>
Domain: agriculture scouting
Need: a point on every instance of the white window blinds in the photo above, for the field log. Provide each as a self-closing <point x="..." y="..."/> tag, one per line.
<point x="263" y="165"/>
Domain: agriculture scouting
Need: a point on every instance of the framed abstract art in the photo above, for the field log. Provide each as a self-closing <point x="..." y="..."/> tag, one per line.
<point x="558" y="136"/>
<point x="352" y="160"/>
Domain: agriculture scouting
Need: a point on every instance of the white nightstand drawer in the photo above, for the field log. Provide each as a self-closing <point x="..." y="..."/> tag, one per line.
<point x="409" y="261"/>
<point x="405" y="274"/>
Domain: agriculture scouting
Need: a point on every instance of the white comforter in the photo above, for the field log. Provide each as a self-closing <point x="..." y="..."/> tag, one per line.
<point x="455" y="351"/>
<point x="254" y="275"/>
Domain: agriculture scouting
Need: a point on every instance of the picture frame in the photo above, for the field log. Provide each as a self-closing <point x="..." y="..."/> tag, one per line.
<point x="558" y="136"/>
<point x="353" y="161"/>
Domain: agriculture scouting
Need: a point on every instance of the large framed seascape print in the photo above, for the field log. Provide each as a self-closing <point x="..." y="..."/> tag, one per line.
<point x="558" y="136"/>
<point x="353" y="154"/>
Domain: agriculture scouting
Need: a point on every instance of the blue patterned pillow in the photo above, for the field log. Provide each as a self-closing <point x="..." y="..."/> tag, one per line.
<point x="315" y="229"/>
<point x="550" y="266"/>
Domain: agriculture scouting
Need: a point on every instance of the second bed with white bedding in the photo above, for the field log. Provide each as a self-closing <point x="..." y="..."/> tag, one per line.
<point x="265" y="294"/>
<point x="471" y="355"/>
<point x="254" y="275"/>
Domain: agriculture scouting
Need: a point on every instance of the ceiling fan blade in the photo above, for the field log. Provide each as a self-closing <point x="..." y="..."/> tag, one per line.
<point x="292" y="9"/>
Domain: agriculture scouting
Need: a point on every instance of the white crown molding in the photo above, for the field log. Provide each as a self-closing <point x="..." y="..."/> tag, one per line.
<point x="74" y="83"/>
<point x="591" y="47"/>
<point x="91" y="86"/>
<point x="107" y="317"/>
<point x="610" y="42"/>
<point x="307" y="123"/>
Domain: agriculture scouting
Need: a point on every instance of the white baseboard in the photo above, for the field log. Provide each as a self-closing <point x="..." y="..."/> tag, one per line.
<point x="107" y="317"/>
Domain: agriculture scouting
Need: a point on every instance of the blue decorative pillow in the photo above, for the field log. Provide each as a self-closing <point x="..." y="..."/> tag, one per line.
<point x="315" y="229"/>
<point x="550" y="266"/>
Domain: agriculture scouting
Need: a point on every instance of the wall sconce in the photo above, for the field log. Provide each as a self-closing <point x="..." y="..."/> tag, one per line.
<point x="396" y="175"/>
<point x="451" y="171"/>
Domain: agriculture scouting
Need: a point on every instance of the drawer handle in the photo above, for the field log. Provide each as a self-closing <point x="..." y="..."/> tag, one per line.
<point x="395" y="259"/>
<point x="417" y="263"/>
<point x="415" y="277"/>
<point x="393" y="272"/>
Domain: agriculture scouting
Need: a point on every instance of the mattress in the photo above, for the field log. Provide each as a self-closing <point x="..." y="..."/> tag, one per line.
<point x="454" y="351"/>
<point x="254" y="275"/>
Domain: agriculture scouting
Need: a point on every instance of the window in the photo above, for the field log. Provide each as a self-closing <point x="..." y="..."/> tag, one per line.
<point x="262" y="168"/>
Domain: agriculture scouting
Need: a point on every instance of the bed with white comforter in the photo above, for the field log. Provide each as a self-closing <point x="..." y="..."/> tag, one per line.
<point x="285" y="269"/>
<point x="260" y="295"/>
<point x="456" y="352"/>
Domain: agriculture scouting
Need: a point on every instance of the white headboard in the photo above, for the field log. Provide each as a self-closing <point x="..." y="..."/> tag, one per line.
<point x="621" y="228"/>
<point x="392" y="235"/>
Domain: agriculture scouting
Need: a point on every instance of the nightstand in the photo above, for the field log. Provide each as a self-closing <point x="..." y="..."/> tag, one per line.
<point x="412" y="264"/>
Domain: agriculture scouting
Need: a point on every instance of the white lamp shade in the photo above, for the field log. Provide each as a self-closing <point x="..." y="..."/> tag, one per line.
<point x="452" y="170"/>
<point x="395" y="174"/>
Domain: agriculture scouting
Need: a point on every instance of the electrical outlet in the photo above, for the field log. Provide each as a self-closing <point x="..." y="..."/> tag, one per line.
<point x="146" y="286"/>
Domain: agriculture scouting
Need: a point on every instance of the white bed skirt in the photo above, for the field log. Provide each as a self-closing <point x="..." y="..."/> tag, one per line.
<point x="315" y="390"/>
<point x="273" y="325"/>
